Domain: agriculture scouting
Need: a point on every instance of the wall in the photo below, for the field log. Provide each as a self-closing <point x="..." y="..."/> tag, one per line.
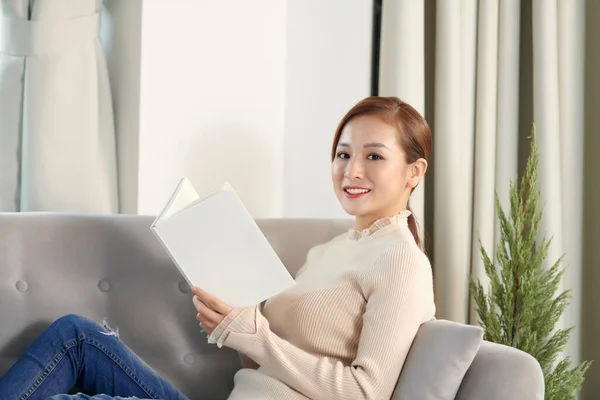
<point x="249" y="92"/>
<point x="328" y="70"/>
<point x="212" y="100"/>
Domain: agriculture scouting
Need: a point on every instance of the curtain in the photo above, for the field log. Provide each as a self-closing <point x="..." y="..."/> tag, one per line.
<point x="496" y="68"/>
<point x="57" y="139"/>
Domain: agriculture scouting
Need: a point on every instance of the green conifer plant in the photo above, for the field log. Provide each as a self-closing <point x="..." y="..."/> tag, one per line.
<point x="521" y="307"/>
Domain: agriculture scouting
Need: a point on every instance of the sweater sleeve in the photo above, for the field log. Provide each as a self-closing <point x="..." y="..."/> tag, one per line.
<point x="396" y="303"/>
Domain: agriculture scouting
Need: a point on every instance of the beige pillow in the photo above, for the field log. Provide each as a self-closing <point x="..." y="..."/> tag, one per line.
<point x="438" y="360"/>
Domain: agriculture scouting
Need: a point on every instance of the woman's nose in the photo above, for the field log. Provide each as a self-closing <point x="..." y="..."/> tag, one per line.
<point x="354" y="170"/>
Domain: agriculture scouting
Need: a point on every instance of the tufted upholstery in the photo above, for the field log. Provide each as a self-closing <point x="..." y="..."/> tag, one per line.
<point x="113" y="268"/>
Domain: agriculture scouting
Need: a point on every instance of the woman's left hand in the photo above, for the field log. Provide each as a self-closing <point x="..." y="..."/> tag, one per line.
<point x="211" y="311"/>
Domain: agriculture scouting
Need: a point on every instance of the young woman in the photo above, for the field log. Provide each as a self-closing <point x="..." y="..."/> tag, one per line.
<point x="342" y="332"/>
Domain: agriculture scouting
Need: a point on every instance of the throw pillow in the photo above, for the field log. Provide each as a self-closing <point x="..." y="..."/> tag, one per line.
<point x="438" y="360"/>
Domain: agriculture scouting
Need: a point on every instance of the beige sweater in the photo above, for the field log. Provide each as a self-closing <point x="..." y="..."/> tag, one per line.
<point x="343" y="332"/>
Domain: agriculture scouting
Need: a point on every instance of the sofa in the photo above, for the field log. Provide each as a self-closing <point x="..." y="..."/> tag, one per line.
<point x="111" y="268"/>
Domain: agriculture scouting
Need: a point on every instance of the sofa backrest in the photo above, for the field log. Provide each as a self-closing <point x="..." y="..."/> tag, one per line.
<point x="113" y="268"/>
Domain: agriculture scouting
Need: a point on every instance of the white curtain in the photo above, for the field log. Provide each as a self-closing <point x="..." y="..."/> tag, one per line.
<point x="476" y="113"/>
<point x="57" y="139"/>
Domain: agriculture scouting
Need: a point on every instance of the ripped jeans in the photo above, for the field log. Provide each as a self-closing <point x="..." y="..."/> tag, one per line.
<point x="77" y="353"/>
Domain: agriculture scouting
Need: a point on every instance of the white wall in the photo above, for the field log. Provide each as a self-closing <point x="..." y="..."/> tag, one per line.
<point x="212" y="100"/>
<point x="328" y="71"/>
<point x="249" y="92"/>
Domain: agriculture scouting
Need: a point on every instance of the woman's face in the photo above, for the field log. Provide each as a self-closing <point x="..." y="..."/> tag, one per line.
<point x="370" y="175"/>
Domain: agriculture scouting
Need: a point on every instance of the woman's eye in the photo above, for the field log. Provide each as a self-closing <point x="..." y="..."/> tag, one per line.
<point x="343" y="155"/>
<point x="374" y="157"/>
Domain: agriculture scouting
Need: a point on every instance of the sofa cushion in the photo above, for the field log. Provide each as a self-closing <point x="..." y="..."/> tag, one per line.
<point x="438" y="359"/>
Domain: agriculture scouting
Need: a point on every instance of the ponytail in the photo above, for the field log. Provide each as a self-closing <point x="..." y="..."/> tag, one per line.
<point x="414" y="229"/>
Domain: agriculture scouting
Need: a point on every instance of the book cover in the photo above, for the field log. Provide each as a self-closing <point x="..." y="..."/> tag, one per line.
<point x="216" y="245"/>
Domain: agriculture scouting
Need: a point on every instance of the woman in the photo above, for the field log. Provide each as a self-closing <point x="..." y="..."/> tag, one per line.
<point x="342" y="332"/>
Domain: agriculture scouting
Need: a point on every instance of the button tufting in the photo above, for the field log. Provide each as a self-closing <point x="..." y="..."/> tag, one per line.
<point x="184" y="287"/>
<point x="104" y="285"/>
<point x="190" y="359"/>
<point x="22" y="286"/>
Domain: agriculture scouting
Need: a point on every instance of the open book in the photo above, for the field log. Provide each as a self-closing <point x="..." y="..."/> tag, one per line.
<point x="217" y="246"/>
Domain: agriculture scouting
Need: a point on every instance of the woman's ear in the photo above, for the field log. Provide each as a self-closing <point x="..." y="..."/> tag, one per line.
<point x="417" y="171"/>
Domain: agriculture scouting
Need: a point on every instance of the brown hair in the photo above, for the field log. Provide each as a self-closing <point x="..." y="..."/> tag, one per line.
<point x="414" y="134"/>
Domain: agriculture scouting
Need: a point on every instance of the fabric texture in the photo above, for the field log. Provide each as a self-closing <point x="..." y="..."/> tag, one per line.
<point x="56" y="109"/>
<point x="81" y="396"/>
<point x="442" y="353"/>
<point x="499" y="372"/>
<point x="378" y="290"/>
<point x="117" y="270"/>
<point x="77" y="353"/>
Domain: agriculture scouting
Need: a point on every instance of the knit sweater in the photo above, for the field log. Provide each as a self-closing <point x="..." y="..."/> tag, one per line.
<point x="344" y="330"/>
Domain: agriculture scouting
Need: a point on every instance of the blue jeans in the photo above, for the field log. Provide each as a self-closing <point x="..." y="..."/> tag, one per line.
<point x="77" y="353"/>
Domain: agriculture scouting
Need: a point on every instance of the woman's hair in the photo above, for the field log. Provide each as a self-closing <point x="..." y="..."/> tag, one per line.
<point x="412" y="130"/>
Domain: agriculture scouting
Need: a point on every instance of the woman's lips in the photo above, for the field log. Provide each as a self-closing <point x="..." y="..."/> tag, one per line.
<point x="353" y="192"/>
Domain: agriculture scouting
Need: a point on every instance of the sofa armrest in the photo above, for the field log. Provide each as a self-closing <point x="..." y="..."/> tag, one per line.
<point x="501" y="372"/>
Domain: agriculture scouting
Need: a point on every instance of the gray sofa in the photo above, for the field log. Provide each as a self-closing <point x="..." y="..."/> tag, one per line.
<point x="112" y="268"/>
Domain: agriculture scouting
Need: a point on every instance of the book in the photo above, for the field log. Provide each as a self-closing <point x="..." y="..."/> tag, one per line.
<point x="216" y="244"/>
